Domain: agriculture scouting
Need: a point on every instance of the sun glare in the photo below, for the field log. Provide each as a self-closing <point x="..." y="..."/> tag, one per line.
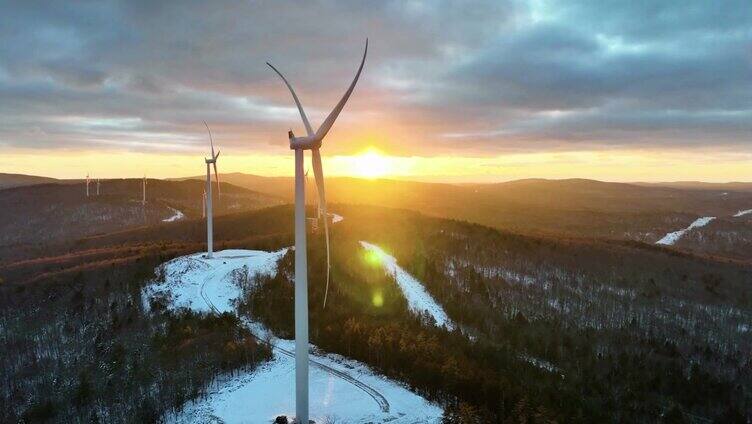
<point x="378" y="299"/>
<point x="371" y="164"/>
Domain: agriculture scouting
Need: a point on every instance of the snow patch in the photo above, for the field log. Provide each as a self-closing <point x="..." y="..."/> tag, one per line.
<point x="176" y="215"/>
<point x="336" y="218"/>
<point x="542" y="364"/>
<point x="742" y="213"/>
<point x="190" y="280"/>
<point x="341" y="389"/>
<point x="418" y="299"/>
<point x="672" y="238"/>
<point x="261" y="396"/>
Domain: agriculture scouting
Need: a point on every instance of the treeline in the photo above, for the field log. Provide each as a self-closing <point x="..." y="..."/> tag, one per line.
<point x="82" y="349"/>
<point x="366" y="318"/>
<point x="550" y="329"/>
<point x="78" y="345"/>
<point x="633" y="329"/>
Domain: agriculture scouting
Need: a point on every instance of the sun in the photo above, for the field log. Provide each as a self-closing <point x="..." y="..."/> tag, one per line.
<point x="371" y="164"/>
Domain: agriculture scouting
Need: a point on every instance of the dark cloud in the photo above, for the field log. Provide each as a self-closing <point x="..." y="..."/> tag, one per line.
<point x="462" y="77"/>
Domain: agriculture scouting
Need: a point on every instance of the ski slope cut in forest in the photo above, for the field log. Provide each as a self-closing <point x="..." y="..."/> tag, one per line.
<point x="671" y="238"/>
<point x="176" y="215"/>
<point x="418" y="299"/>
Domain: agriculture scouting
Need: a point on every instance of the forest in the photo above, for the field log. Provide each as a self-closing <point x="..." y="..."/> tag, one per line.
<point x="83" y="349"/>
<point x="549" y="329"/>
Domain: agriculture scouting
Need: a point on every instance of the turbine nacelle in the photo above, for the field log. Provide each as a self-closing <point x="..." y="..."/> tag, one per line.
<point x="305" y="143"/>
<point x="212" y="160"/>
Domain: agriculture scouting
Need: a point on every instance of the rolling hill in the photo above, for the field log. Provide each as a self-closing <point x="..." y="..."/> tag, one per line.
<point x="44" y="214"/>
<point x="575" y="207"/>
<point x="18" y="180"/>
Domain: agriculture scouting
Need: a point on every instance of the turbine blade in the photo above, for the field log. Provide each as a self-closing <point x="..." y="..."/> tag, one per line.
<point x="216" y="177"/>
<point x="307" y="124"/>
<point x="327" y="125"/>
<point x="318" y="172"/>
<point x="211" y="141"/>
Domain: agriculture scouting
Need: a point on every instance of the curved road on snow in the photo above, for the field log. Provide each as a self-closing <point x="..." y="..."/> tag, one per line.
<point x="370" y="391"/>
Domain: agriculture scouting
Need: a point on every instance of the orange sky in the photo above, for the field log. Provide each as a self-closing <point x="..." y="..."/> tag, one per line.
<point x="613" y="165"/>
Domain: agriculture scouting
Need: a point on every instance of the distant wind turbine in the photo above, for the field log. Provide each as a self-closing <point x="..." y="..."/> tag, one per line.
<point x="143" y="198"/>
<point x="97" y="186"/>
<point x="87" y="184"/>
<point x="312" y="141"/>
<point x="208" y="195"/>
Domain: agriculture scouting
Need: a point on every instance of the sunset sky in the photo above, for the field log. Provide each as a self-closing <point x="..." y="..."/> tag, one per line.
<point x="451" y="91"/>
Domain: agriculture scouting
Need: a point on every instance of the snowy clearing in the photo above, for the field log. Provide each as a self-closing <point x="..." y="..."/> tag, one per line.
<point x="742" y="213"/>
<point x="672" y="238"/>
<point x="189" y="280"/>
<point x="340" y="389"/>
<point x="418" y="299"/>
<point x="176" y="215"/>
<point x="336" y="218"/>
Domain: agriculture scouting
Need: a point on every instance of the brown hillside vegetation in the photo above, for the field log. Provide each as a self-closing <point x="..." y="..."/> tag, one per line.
<point x="49" y="213"/>
<point x="597" y="312"/>
<point x="574" y="206"/>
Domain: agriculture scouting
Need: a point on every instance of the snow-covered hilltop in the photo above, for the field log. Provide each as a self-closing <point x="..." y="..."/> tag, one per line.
<point x="671" y="238"/>
<point x="176" y="215"/>
<point x="342" y="390"/>
<point x="418" y="299"/>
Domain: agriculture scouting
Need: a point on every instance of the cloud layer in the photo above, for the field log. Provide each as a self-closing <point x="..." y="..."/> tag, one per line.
<point x="441" y="78"/>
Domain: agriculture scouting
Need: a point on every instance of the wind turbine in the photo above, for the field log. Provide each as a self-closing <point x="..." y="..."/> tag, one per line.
<point x="312" y="141"/>
<point x="97" y="186"/>
<point x="87" y="184"/>
<point x="208" y="195"/>
<point x="143" y="185"/>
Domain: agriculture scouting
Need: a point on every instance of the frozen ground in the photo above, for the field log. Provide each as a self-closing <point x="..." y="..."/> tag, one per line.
<point x="176" y="215"/>
<point x="418" y="299"/>
<point x="742" y="213"/>
<point x="340" y="389"/>
<point x="673" y="237"/>
<point x="190" y="281"/>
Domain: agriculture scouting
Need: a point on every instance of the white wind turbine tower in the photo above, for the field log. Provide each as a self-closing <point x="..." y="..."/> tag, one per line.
<point x="97" y="186"/>
<point x="208" y="196"/>
<point x="312" y="141"/>
<point x="143" y="197"/>
<point x="87" y="184"/>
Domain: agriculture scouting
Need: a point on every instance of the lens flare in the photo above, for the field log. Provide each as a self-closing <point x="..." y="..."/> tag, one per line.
<point x="372" y="257"/>
<point x="377" y="300"/>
